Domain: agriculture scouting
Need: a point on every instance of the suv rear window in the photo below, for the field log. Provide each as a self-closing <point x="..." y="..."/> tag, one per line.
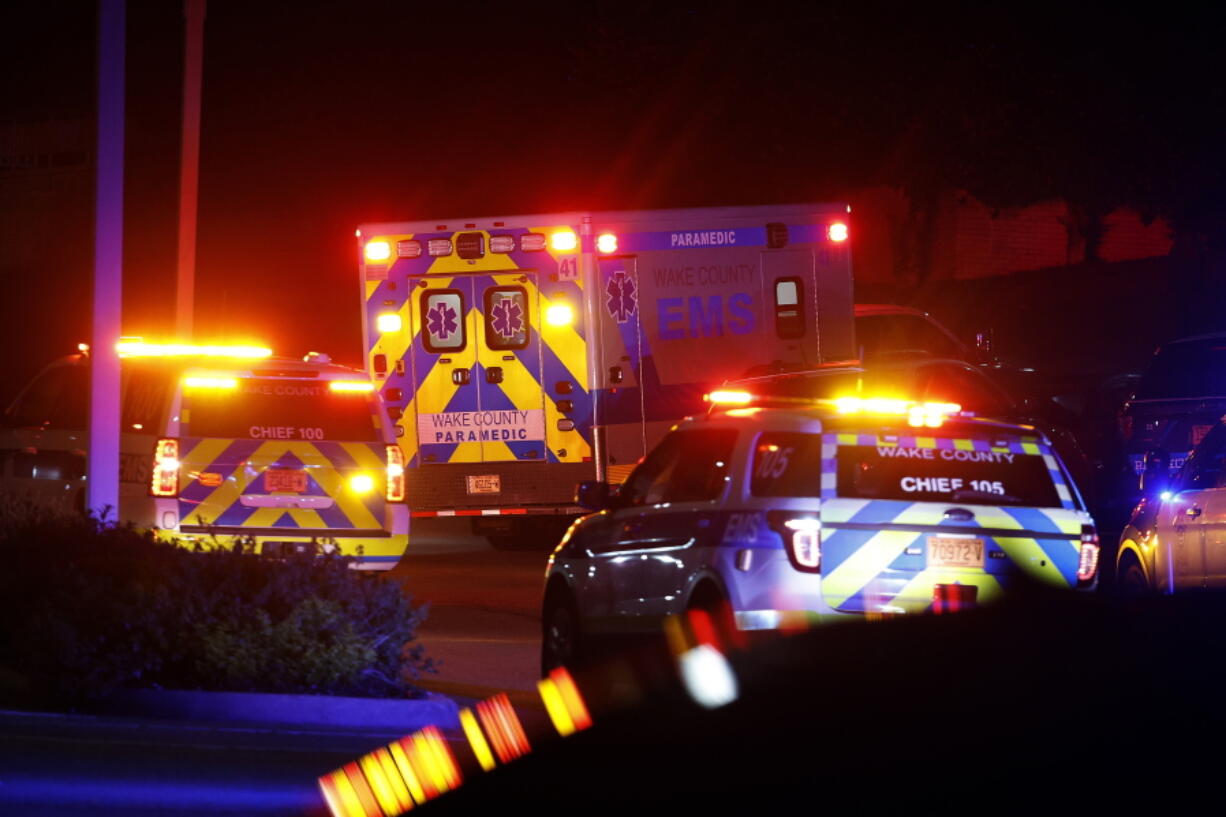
<point x="1194" y="369"/>
<point x="280" y="410"/>
<point x="945" y="475"/>
<point x="787" y="464"/>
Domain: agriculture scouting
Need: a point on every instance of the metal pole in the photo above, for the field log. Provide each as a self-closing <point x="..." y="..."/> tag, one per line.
<point x="189" y="168"/>
<point x="103" y="470"/>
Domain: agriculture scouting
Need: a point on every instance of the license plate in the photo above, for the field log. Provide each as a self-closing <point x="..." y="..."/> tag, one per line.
<point x="485" y="484"/>
<point x="1198" y="434"/>
<point x="286" y="482"/>
<point x="955" y="551"/>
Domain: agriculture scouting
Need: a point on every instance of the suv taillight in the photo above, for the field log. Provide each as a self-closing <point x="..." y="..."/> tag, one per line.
<point x="395" y="474"/>
<point x="802" y="538"/>
<point x="165" y="478"/>
<point x="1087" y="561"/>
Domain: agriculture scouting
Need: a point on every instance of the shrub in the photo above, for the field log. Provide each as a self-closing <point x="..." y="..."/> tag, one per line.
<point x="87" y="607"/>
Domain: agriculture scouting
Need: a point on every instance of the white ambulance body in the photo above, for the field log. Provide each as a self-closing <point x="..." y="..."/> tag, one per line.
<point x="522" y="355"/>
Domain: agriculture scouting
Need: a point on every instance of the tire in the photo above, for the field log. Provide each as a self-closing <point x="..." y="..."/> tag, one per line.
<point x="1130" y="581"/>
<point x="561" y="638"/>
<point x="709" y="599"/>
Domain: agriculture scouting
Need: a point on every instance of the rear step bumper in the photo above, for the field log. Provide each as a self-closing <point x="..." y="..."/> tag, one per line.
<point x="332" y="533"/>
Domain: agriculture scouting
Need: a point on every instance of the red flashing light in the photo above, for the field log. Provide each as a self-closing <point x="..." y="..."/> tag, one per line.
<point x="164" y="481"/>
<point x="837" y="231"/>
<point x="395" y="474"/>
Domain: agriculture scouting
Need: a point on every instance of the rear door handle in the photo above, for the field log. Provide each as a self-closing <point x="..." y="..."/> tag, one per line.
<point x="960" y="514"/>
<point x="1193" y="511"/>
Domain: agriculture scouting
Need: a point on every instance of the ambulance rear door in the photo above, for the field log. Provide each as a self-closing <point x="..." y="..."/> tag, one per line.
<point x="476" y="367"/>
<point x="510" y="396"/>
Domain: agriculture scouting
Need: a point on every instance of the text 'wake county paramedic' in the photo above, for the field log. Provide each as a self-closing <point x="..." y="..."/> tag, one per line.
<point x="512" y="425"/>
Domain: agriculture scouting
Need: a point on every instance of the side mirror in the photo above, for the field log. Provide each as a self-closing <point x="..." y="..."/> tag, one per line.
<point x="594" y="496"/>
<point x="1156" y="477"/>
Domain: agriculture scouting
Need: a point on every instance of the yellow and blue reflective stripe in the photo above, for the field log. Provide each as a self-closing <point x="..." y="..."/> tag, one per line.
<point x="553" y="354"/>
<point x="326" y="465"/>
<point x="878" y="550"/>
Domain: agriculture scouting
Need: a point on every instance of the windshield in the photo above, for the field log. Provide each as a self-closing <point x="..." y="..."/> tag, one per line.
<point x="279" y="410"/>
<point x="902" y="334"/>
<point x="1192" y="369"/>
<point x="945" y="475"/>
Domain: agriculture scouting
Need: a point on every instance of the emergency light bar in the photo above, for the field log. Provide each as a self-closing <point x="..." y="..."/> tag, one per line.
<point x="351" y="386"/>
<point x="729" y="398"/>
<point x="564" y="240"/>
<point x="378" y="251"/>
<point x="138" y="348"/>
<point x="932" y="415"/>
<point x="531" y="242"/>
<point x="502" y="243"/>
<point x="202" y="382"/>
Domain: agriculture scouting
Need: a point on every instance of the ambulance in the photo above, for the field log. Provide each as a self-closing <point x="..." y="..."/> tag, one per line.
<point x="521" y="355"/>
<point x="222" y="444"/>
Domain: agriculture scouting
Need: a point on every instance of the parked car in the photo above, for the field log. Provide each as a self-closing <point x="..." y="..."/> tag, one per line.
<point x="893" y="330"/>
<point x="1181" y="395"/>
<point x="1176" y="538"/>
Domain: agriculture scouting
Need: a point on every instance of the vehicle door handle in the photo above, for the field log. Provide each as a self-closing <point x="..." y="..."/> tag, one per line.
<point x="960" y="514"/>
<point x="1193" y="511"/>
<point x="615" y="374"/>
<point x="493" y="374"/>
<point x="459" y="377"/>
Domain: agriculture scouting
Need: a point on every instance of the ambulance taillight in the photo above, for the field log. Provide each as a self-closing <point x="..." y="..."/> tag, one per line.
<point x="837" y="231"/>
<point x="165" y="478"/>
<point x="395" y="474"/>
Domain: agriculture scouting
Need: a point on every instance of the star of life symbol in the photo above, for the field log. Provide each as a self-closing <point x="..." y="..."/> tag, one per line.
<point x="508" y="318"/>
<point x="623" y="299"/>
<point x="441" y="321"/>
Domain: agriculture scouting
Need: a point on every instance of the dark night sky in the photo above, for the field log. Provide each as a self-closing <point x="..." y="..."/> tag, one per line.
<point x="319" y="116"/>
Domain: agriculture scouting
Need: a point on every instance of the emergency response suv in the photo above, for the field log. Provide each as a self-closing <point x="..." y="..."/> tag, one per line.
<point x="801" y="511"/>
<point x="223" y="443"/>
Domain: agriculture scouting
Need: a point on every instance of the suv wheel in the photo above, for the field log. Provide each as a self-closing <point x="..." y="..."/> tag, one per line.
<point x="708" y="598"/>
<point x="1130" y="582"/>
<point x="561" y="640"/>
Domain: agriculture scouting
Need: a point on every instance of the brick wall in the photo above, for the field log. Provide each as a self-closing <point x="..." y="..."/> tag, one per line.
<point x="965" y="239"/>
